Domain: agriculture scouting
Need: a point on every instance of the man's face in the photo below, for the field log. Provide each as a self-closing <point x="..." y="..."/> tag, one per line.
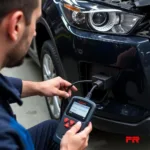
<point x="20" y="49"/>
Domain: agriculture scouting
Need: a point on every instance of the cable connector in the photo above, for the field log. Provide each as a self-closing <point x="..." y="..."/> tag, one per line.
<point x="99" y="83"/>
<point x="104" y="82"/>
<point x="96" y="84"/>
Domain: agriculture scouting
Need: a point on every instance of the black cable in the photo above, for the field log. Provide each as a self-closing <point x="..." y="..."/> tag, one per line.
<point x="82" y="81"/>
<point x="97" y="84"/>
<point x="93" y="88"/>
<point x="89" y="95"/>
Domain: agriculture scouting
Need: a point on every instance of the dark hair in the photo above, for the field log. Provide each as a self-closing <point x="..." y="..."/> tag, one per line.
<point x="26" y="6"/>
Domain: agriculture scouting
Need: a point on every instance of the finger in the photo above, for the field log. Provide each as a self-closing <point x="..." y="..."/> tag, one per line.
<point x="76" y="128"/>
<point x="73" y="88"/>
<point x="65" y="83"/>
<point x="87" y="141"/>
<point x="86" y="131"/>
<point x="62" y="93"/>
<point x="70" y="93"/>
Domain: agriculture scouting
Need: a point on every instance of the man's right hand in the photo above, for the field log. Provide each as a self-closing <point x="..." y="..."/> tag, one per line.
<point x="76" y="141"/>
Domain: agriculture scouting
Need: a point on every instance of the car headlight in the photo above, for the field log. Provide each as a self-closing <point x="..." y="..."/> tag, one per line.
<point x="98" y="18"/>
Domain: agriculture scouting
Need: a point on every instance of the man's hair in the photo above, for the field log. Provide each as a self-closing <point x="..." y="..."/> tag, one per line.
<point x="26" y="6"/>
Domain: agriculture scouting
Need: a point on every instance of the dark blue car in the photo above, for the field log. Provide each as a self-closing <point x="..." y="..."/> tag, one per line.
<point x="81" y="39"/>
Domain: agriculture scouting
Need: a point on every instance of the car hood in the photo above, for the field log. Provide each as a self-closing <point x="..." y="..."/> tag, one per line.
<point x="142" y="3"/>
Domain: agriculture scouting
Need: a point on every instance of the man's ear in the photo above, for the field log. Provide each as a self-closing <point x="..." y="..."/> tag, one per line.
<point x="16" y="25"/>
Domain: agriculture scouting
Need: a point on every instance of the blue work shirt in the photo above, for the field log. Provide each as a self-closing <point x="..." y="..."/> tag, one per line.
<point x="13" y="136"/>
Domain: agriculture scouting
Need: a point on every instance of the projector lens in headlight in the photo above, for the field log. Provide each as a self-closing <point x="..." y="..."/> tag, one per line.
<point x="99" y="19"/>
<point x="93" y="17"/>
<point x="102" y="21"/>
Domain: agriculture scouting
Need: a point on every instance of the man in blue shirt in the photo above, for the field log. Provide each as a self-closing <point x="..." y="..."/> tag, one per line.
<point x="17" y="28"/>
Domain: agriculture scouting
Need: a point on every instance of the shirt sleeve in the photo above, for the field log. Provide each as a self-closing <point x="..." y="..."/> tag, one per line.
<point x="17" y="83"/>
<point x="7" y="142"/>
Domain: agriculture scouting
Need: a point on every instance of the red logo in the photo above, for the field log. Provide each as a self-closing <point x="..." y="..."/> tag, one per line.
<point x="83" y="103"/>
<point x="133" y="139"/>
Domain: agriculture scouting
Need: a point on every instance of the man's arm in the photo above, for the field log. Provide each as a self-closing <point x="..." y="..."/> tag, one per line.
<point x="24" y="88"/>
<point x="53" y="87"/>
<point x="30" y="88"/>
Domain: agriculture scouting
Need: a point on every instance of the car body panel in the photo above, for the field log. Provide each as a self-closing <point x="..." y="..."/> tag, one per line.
<point x="79" y="45"/>
<point x="84" y="54"/>
<point x="142" y="3"/>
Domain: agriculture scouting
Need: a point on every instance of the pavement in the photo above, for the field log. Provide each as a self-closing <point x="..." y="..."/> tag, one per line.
<point x="34" y="111"/>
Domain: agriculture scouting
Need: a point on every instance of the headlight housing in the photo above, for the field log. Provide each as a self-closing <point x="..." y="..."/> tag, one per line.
<point x="98" y="18"/>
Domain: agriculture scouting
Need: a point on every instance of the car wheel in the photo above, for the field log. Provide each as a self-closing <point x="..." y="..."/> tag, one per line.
<point x="51" y="68"/>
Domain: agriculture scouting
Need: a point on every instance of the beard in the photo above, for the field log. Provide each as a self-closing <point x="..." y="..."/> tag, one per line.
<point x="15" y="64"/>
<point x="18" y="53"/>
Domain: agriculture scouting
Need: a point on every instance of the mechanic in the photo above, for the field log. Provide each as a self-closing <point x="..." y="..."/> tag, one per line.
<point x="17" y="28"/>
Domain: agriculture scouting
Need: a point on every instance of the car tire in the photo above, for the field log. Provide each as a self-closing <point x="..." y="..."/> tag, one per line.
<point x="51" y="67"/>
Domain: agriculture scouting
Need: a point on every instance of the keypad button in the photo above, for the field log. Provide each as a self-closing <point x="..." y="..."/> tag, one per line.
<point x="66" y="120"/>
<point x="72" y="122"/>
<point x="67" y="125"/>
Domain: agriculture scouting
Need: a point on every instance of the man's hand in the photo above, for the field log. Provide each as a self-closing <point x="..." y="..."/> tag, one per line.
<point x="53" y="87"/>
<point x="56" y="87"/>
<point x="76" y="141"/>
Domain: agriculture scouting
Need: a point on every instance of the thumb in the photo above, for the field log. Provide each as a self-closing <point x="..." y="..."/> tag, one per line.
<point x="76" y="128"/>
<point x="62" y="94"/>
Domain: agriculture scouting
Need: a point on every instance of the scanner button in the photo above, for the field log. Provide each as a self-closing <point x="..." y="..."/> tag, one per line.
<point x="67" y="125"/>
<point x="72" y="122"/>
<point x="66" y="120"/>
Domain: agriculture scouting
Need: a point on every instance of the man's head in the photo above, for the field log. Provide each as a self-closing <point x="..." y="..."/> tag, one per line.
<point x="17" y="28"/>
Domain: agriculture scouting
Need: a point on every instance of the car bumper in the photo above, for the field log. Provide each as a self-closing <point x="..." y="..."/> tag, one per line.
<point x="118" y="43"/>
<point x="104" y="50"/>
<point x="141" y="128"/>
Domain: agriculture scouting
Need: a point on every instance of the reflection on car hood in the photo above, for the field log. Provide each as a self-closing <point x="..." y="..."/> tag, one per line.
<point x="142" y="3"/>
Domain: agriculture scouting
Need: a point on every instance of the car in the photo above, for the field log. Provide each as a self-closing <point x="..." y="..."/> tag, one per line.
<point x="107" y="40"/>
